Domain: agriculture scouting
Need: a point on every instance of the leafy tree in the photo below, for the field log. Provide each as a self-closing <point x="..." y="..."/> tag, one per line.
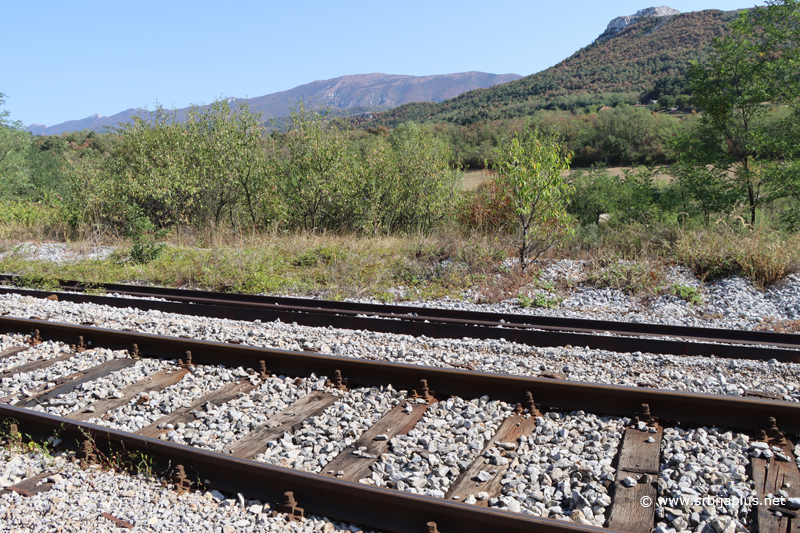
<point x="14" y="145"/>
<point x="530" y="165"/>
<point x="424" y="186"/>
<point x="595" y="191"/>
<point x="195" y="171"/>
<point x="755" y="64"/>
<point x="775" y="31"/>
<point x="314" y="169"/>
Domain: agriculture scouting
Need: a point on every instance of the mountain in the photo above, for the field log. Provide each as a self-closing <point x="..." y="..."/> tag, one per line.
<point x="630" y="56"/>
<point x="357" y="93"/>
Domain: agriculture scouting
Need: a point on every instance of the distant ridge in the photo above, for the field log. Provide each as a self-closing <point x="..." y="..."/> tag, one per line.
<point x="360" y="92"/>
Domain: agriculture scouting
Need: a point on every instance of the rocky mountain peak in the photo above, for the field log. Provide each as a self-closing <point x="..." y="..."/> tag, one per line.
<point x="620" y="23"/>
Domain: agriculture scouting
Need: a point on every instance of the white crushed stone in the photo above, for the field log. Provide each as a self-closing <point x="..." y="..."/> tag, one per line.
<point x="563" y="468"/>
<point x="445" y="442"/>
<point x="146" y="408"/>
<point x="59" y="253"/>
<point x="218" y="427"/>
<point x="709" y="375"/>
<point x="708" y="466"/>
<point x="79" y="497"/>
<point x="321" y="438"/>
<point x="22" y="385"/>
<point x="102" y="388"/>
<point x="45" y="350"/>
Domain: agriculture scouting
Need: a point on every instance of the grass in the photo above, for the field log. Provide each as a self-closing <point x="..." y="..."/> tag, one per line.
<point x="765" y="257"/>
<point x="637" y="278"/>
<point x="449" y="263"/>
<point x="330" y="266"/>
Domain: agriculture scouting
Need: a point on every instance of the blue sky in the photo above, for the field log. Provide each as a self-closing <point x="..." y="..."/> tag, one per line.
<point x="68" y="60"/>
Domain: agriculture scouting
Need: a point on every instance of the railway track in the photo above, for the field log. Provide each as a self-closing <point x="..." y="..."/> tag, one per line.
<point x="439" y="323"/>
<point x="638" y="432"/>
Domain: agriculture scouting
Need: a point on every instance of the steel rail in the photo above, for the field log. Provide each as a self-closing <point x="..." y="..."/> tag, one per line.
<point x="786" y="351"/>
<point x="421" y="314"/>
<point x="381" y="508"/>
<point x="686" y="408"/>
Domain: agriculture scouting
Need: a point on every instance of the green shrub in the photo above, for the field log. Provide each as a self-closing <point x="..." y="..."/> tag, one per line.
<point x="632" y="277"/>
<point x="144" y="235"/>
<point x="687" y="293"/>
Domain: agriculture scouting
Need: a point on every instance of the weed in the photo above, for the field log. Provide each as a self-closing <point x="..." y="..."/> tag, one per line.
<point x="761" y="255"/>
<point x="132" y="461"/>
<point x="687" y="293"/>
<point x="38" y="282"/>
<point x="542" y="300"/>
<point x="324" y="255"/>
<point x="780" y="326"/>
<point x="632" y="277"/>
<point x="94" y="289"/>
<point x="23" y="443"/>
<point x="385" y="297"/>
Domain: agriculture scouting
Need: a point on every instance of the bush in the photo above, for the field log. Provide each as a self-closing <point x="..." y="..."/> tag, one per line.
<point x="763" y="256"/>
<point x="488" y="207"/>
<point x="638" y="278"/>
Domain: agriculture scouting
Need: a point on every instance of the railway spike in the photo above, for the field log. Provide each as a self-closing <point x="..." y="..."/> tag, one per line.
<point x="423" y="392"/>
<point x="645" y="416"/>
<point x="188" y="362"/>
<point x="532" y="407"/>
<point x="86" y="455"/>
<point x="263" y="373"/>
<point x="35" y="339"/>
<point x="80" y="347"/>
<point x="772" y="428"/>
<point x="179" y="479"/>
<point x="432" y="528"/>
<point x="337" y="382"/>
<point x="290" y="508"/>
<point x="135" y="352"/>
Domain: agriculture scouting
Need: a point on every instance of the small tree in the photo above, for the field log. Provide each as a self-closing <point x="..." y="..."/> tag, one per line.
<point x="530" y="164"/>
<point x="14" y="145"/>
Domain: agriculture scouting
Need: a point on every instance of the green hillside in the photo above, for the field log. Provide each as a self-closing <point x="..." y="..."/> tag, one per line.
<point x="633" y="60"/>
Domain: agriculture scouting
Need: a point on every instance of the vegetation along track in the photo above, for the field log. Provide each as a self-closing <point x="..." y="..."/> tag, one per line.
<point x="638" y="431"/>
<point x="440" y="323"/>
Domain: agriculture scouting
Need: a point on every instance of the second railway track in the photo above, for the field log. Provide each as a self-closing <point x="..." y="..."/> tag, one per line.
<point x="440" y="323"/>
